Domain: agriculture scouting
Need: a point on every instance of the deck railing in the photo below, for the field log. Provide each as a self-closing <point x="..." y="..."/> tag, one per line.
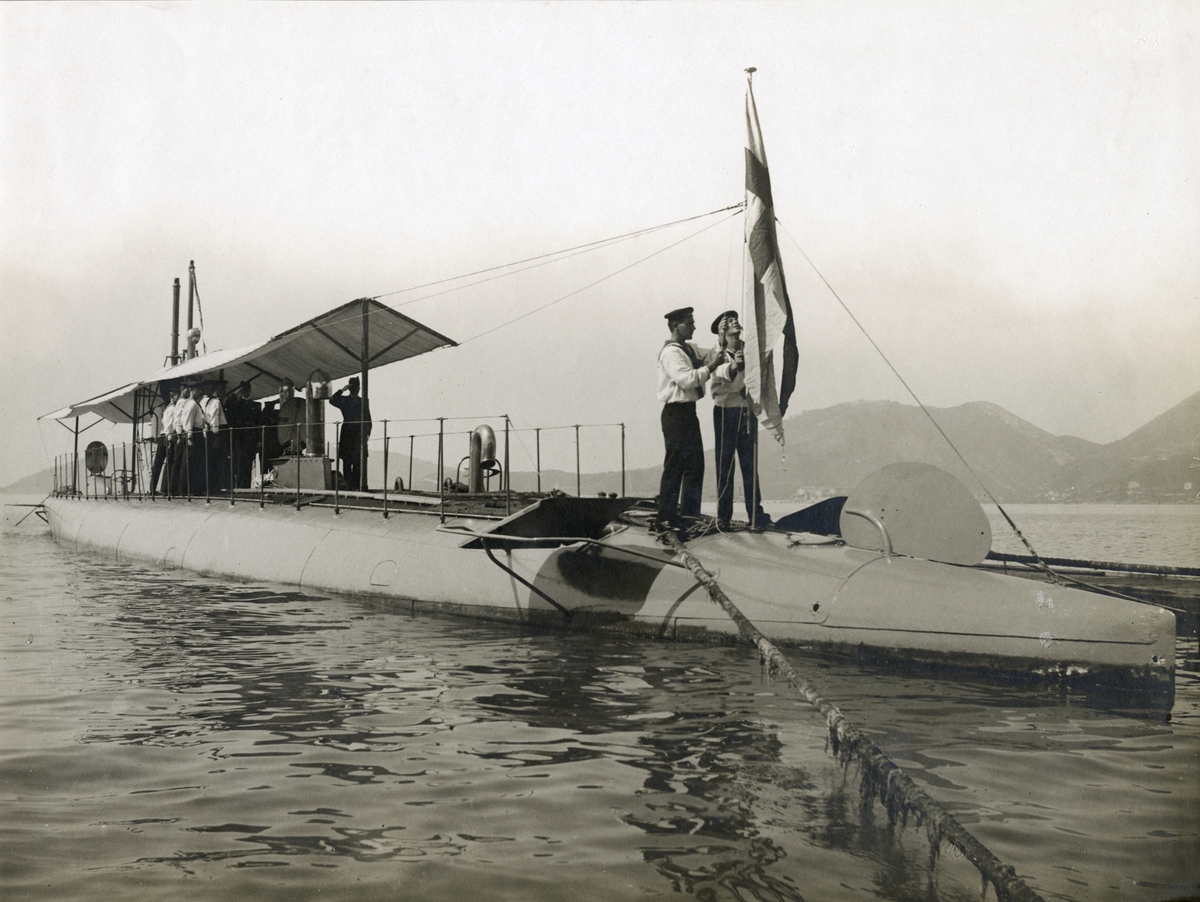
<point x="433" y="457"/>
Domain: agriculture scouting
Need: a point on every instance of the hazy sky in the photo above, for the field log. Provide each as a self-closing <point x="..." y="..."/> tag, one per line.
<point x="1006" y="195"/>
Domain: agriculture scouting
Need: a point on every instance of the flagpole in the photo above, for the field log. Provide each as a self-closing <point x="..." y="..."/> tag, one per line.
<point x="754" y="463"/>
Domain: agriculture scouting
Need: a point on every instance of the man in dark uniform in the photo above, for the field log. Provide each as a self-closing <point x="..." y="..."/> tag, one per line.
<point x="682" y="371"/>
<point x="356" y="428"/>
<point x="245" y="418"/>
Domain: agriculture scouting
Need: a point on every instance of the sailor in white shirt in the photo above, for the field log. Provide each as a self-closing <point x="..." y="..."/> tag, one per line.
<point x="189" y="442"/>
<point x="682" y="371"/>
<point x="166" y="435"/>
<point x="735" y="427"/>
<point x="218" y="448"/>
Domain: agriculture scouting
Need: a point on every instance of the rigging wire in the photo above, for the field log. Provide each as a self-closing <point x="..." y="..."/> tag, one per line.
<point x="601" y="279"/>
<point x="552" y="256"/>
<point x="1052" y="574"/>
<point x="538" y="260"/>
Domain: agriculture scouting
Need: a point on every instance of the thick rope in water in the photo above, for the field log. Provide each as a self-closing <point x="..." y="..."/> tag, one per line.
<point x="881" y="776"/>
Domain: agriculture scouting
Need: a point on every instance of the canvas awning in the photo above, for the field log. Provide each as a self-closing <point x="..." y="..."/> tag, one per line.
<point x="332" y="342"/>
<point x="116" y="405"/>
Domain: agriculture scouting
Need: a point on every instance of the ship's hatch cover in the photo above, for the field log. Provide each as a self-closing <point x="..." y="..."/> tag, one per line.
<point x="554" y="521"/>
<point x="927" y="514"/>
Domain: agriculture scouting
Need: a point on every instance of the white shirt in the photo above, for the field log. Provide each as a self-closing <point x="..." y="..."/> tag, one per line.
<point x="168" y="418"/>
<point x="678" y="379"/>
<point x="214" y="414"/>
<point x="188" y="416"/>
<point x="728" y="391"/>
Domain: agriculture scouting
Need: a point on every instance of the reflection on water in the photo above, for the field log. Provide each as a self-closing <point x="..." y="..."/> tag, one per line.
<point x="165" y="733"/>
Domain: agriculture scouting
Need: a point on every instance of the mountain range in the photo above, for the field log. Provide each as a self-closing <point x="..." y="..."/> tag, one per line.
<point x="829" y="451"/>
<point x="833" y="449"/>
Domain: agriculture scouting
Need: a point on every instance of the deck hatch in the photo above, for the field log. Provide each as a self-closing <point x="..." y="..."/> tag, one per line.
<point x="551" y="522"/>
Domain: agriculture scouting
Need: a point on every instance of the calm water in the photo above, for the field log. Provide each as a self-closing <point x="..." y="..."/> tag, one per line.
<point x="162" y="734"/>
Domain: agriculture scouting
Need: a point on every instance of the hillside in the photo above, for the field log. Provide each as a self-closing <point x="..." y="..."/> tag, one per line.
<point x="1158" y="462"/>
<point x="829" y="451"/>
<point x="40" y="483"/>
<point x="1013" y="458"/>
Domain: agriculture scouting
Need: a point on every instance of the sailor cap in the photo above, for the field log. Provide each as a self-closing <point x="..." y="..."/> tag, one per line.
<point x="679" y="315"/>
<point x="716" y="324"/>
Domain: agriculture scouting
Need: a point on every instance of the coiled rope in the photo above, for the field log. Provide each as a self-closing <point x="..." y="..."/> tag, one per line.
<point x="881" y="776"/>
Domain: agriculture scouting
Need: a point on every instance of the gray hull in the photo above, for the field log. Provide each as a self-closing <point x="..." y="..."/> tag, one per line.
<point x="832" y="597"/>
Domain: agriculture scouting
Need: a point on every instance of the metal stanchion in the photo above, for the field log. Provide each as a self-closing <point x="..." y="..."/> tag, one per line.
<point x="441" y="467"/>
<point x="537" y="434"/>
<point x="578" y="476"/>
<point x="385" y="470"/>
<point x="297" y="479"/>
<point x="337" y="428"/>
<point x="207" y="470"/>
<point x="507" y="479"/>
<point x="623" y="492"/>
<point x="410" y="462"/>
<point x="231" y="486"/>
<point x="262" y="468"/>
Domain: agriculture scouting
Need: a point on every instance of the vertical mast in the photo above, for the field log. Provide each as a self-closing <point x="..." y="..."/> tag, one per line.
<point x="191" y="301"/>
<point x="175" y="326"/>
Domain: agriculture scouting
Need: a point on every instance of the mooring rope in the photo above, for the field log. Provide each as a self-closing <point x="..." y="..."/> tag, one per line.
<point x="881" y="776"/>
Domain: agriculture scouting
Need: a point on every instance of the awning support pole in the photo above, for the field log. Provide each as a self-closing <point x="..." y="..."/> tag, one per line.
<point x="75" y="465"/>
<point x="365" y="426"/>
<point x="262" y="467"/>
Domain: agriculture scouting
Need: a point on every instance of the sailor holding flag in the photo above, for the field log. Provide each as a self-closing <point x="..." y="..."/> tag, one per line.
<point x="683" y="369"/>
<point x="735" y="429"/>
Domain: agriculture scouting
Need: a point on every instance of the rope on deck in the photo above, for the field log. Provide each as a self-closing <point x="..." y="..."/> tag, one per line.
<point x="881" y="776"/>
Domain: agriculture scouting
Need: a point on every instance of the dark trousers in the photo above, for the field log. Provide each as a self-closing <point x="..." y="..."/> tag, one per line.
<point x="682" y="483"/>
<point x="179" y="466"/>
<point x="172" y="484"/>
<point x="195" y="465"/>
<point x="350" y="451"/>
<point x="736" y="431"/>
<point x="243" y="448"/>
<point x="160" y="457"/>
<point x="218" y="460"/>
